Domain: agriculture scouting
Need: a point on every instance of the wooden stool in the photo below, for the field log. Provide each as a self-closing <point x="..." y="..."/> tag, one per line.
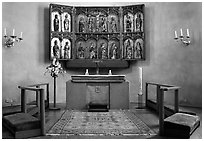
<point x="181" y="125"/>
<point x="22" y="125"/>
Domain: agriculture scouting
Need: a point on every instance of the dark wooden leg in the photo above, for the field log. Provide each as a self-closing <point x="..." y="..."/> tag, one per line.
<point x="37" y="98"/>
<point x="54" y="108"/>
<point x="54" y="91"/>
<point x="161" y="112"/>
<point x="48" y="101"/>
<point x="42" y="111"/>
<point x="146" y="95"/>
<point x="157" y="103"/>
<point x="176" y="108"/>
<point x="23" y="101"/>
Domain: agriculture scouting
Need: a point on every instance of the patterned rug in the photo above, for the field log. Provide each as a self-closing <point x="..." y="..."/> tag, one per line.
<point x="114" y="122"/>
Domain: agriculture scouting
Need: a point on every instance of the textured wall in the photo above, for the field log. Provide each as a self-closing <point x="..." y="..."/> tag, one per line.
<point x="167" y="61"/>
<point x="172" y="62"/>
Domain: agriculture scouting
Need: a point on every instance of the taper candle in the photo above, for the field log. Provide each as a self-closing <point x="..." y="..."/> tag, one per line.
<point x="176" y="35"/>
<point x="181" y="32"/>
<point x="21" y="35"/>
<point x="187" y="30"/>
<point x="13" y="32"/>
<point x="4" y="31"/>
<point x="140" y="80"/>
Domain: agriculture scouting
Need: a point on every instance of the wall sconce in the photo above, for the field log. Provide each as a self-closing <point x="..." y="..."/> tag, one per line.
<point x="185" y="40"/>
<point x="10" y="40"/>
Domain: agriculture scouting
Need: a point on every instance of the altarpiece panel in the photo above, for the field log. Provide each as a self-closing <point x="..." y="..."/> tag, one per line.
<point x="92" y="33"/>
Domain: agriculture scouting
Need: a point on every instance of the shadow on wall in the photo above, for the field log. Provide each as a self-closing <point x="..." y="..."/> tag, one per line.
<point x="43" y="44"/>
<point x="46" y="35"/>
<point x="149" y="40"/>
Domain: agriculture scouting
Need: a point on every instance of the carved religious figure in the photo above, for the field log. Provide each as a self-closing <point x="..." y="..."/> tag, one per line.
<point x="129" y="49"/>
<point x="81" y="25"/>
<point x="138" y="50"/>
<point x="128" y="23"/>
<point x="81" y="50"/>
<point x="67" y="51"/>
<point x="56" y="50"/>
<point x="91" y="24"/>
<point x="113" y="25"/>
<point x="138" y="22"/>
<point x="104" y="54"/>
<point x="56" y="23"/>
<point x="66" y="23"/>
<point x="93" y="53"/>
<point x="102" y="24"/>
<point x="114" y="51"/>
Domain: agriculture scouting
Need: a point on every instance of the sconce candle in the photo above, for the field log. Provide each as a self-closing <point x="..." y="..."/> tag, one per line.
<point x="21" y="35"/>
<point x="176" y="35"/>
<point x="140" y="80"/>
<point x="13" y="32"/>
<point x="188" y="35"/>
<point x="181" y="32"/>
<point x="5" y="31"/>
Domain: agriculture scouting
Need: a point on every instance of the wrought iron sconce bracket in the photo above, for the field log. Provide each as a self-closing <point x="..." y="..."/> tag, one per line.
<point x="185" y="40"/>
<point x="11" y="40"/>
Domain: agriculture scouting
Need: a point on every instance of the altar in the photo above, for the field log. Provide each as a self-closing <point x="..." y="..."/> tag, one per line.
<point x="110" y="90"/>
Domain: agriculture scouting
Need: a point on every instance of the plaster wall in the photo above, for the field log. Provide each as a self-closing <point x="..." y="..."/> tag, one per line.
<point x="167" y="61"/>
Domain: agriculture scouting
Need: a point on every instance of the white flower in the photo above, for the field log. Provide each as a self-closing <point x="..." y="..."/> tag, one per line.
<point x="55" y="68"/>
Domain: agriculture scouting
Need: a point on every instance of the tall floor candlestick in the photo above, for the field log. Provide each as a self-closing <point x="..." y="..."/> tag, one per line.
<point x="140" y="93"/>
<point x="54" y="108"/>
<point x="140" y="79"/>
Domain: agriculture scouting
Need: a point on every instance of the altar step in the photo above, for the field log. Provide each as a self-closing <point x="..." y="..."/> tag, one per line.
<point x="98" y="108"/>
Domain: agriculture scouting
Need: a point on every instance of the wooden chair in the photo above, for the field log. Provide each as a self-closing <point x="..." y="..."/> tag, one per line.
<point x="178" y="124"/>
<point x="46" y="86"/>
<point x="23" y="124"/>
<point x="155" y="104"/>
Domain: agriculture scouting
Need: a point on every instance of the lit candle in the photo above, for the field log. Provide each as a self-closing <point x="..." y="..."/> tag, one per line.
<point x="187" y="32"/>
<point x="13" y="32"/>
<point x="176" y="35"/>
<point x="21" y="35"/>
<point x="140" y="79"/>
<point x="5" y="31"/>
<point x="181" y="32"/>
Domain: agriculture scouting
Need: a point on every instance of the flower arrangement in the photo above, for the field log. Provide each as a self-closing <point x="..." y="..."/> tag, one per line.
<point x="55" y="68"/>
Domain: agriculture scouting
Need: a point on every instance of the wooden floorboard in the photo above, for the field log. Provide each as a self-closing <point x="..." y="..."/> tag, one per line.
<point x="147" y="116"/>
